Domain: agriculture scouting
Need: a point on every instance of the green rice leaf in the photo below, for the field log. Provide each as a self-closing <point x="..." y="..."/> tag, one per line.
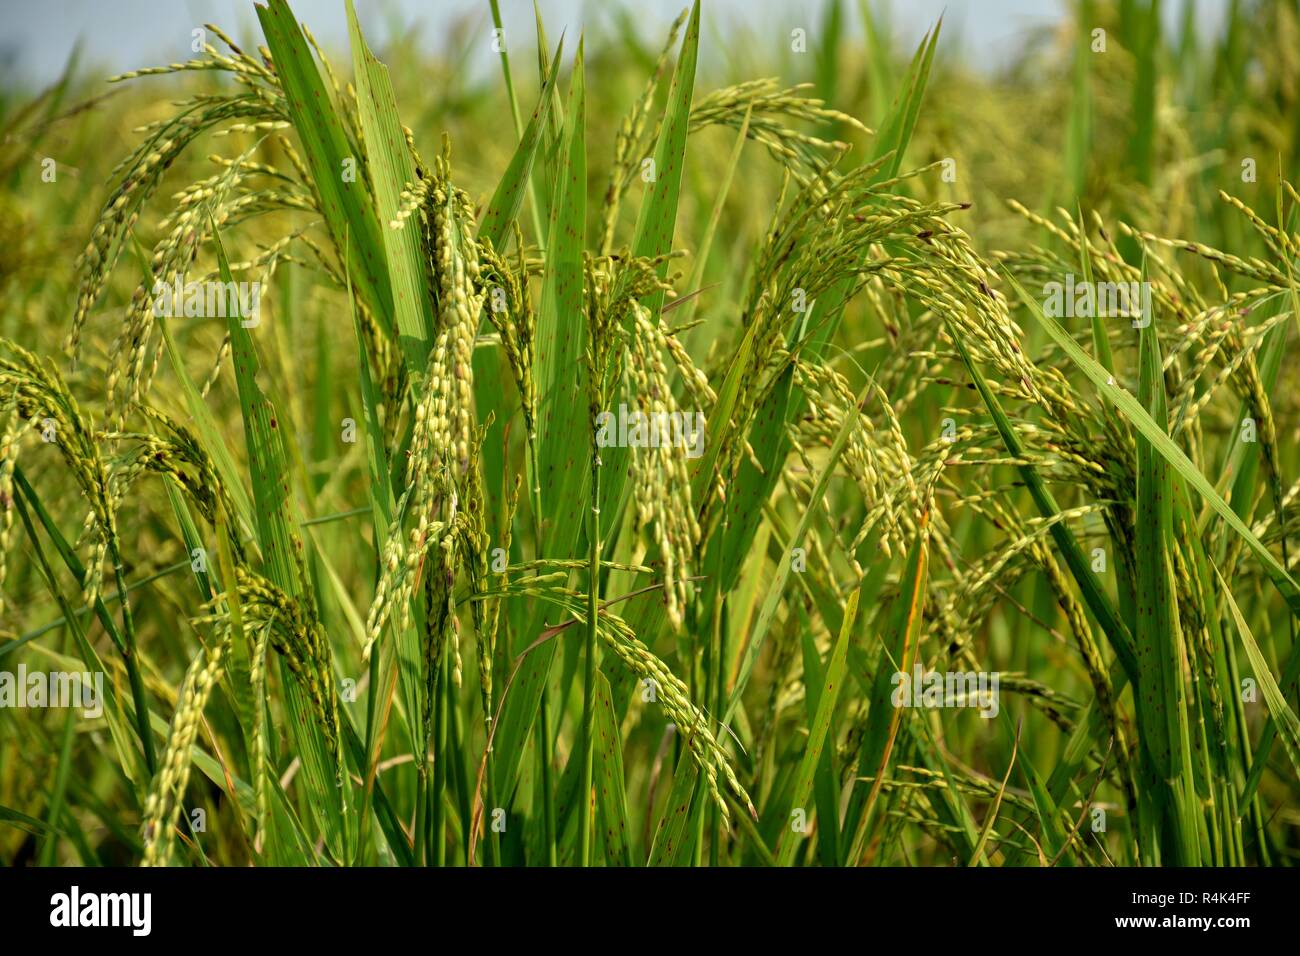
<point x="1097" y="601"/>
<point x="392" y="168"/>
<point x="1281" y="712"/>
<point x="1117" y="395"/>
<point x="564" y="447"/>
<point x="898" y="650"/>
<point x="833" y="681"/>
<point x="333" y="163"/>
<point x="896" y="131"/>
<point x="281" y="547"/>
<point x="509" y="195"/>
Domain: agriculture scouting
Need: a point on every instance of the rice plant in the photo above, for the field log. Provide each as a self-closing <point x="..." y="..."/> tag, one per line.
<point x="821" y="453"/>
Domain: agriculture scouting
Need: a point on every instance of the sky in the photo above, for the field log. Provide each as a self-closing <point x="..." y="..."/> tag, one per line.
<point x="37" y="36"/>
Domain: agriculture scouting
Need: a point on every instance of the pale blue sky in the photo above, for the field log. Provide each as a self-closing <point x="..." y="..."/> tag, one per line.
<point x="36" y="36"/>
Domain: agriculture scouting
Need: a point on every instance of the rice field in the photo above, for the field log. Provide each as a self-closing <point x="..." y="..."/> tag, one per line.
<point x="809" y="449"/>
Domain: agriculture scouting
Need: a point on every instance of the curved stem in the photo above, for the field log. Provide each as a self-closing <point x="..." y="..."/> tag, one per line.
<point x="589" y="672"/>
<point x="133" y="665"/>
<point x="546" y="750"/>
